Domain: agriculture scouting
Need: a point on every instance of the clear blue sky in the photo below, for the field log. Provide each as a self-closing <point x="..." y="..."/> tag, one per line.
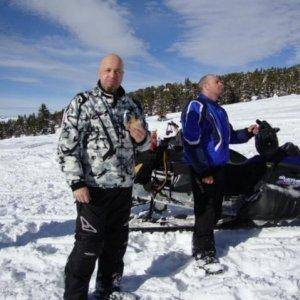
<point x="50" y="49"/>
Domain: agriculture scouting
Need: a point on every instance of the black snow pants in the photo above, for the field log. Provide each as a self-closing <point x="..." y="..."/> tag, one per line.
<point x="101" y="233"/>
<point x="228" y="180"/>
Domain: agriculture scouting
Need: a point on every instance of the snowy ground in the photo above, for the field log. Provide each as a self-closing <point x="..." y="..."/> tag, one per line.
<point x="37" y="222"/>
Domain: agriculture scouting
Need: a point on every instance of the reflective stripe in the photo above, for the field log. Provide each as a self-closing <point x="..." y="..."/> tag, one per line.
<point x="191" y="142"/>
<point x="200" y="114"/>
<point x="200" y="109"/>
<point x="219" y="133"/>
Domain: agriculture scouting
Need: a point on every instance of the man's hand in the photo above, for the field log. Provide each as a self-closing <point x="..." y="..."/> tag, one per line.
<point x="208" y="180"/>
<point x="137" y="131"/>
<point x="253" y="129"/>
<point x="82" y="195"/>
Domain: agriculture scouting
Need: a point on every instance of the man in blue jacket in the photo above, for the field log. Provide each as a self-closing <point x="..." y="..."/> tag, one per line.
<point x="207" y="134"/>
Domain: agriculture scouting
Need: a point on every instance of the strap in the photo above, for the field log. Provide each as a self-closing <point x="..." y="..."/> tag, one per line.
<point x="111" y="151"/>
<point x="111" y="117"/>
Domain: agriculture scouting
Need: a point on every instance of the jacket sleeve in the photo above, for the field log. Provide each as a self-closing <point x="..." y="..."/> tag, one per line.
<point x="146" y="143"/>
<point x="69" y="145"/>
<point x="239" y="136"/>
<point x="192" y="133"/>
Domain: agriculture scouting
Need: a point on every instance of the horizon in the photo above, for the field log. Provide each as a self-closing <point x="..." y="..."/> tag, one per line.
<point x="2" y="117"/>
<point x="49" y="53"/>
<point x="275" y="96"/>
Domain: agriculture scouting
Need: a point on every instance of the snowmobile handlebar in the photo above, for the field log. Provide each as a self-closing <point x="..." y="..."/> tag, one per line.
<point x="265" y="123"/>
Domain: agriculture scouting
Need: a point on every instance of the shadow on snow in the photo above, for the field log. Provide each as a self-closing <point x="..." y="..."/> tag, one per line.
<point x="52" y="229"/>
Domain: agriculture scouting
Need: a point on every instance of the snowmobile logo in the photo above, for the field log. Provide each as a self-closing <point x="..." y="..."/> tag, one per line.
<point x="286" y="181"/>
<point x="86" y="226"/>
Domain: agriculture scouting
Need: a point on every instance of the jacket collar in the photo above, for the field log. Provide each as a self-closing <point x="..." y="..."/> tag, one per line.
<point x="111" y="98"/>
<point x="202" y="97"/>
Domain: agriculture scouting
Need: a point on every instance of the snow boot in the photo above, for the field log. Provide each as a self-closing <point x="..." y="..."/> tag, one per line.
<point x="105" y="289"/>
<point x="209" y="263"/>
<point x="122" y="296"/>
<point x="105" y="293"/>
<point x="113" y="294"/>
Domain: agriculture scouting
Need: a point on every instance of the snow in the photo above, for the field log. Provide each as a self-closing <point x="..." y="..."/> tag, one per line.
<point x="6" y="119"/>
<point x="37" y="222"/>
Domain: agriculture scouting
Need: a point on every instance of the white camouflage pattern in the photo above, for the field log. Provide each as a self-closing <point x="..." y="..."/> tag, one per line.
<point x="84" y="150"/>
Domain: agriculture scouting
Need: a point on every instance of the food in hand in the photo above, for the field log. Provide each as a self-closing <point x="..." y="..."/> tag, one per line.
<point x="134" y="123"/>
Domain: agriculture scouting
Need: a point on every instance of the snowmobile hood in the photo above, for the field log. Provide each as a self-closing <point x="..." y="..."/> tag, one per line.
<point x="293" y="160"/>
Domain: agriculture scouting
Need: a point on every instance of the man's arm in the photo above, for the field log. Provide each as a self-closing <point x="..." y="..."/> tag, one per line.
<point x="243" y="135"/>
<point x="69" y="148"/>
<point x="192" y="134"/>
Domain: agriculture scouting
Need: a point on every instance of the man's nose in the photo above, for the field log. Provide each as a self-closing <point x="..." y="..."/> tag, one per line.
<point x="112" y="74"/>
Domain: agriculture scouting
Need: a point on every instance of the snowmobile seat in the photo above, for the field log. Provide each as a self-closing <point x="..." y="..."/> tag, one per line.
<point x="236" y="157"/>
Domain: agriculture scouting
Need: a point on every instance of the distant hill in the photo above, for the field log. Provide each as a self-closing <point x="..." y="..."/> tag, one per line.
<point x="261" y="83"/>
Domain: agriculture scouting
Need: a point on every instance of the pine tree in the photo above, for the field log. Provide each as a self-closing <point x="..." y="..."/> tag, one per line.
<point x="43" y="119"/>
<point x="32" y="124"/>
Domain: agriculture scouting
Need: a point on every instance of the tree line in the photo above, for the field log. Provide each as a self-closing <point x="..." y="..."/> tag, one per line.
<point x="171" y="97"/>
<point x="262" y="83"/>
<point x="34" y="124"/>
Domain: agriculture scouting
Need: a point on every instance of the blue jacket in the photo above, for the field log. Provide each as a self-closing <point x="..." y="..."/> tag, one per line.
<point x="207" y="134"/>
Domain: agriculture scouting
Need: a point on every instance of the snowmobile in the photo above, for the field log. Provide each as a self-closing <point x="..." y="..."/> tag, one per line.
<point x="275" y="200"/>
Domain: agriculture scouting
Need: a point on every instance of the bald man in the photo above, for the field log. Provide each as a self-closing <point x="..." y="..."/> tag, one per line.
<point x="101" y="130"/>
<point x="207" y="134"/>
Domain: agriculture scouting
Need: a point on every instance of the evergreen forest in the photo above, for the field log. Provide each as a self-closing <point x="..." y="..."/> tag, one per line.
<point x="171" y="97"/>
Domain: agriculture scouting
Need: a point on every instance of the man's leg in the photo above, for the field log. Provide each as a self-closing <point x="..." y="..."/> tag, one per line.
<point x="110" y="264"/>
<point x="88" y="245"/>
<point x="207" y="205"/>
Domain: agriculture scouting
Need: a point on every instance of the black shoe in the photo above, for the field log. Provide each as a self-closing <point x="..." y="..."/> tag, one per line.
<point x="290" y="149"/>
<point x="209" y="263"/>
<point x="105" y="288"/>
<point x="123" y="296"/>
<point x="106" y="293"/>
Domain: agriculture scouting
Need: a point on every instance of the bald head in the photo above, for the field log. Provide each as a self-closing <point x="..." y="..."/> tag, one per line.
<point x="211" y="86"/>
<point x="204" y="80"/>
<point x="111" y="71"/>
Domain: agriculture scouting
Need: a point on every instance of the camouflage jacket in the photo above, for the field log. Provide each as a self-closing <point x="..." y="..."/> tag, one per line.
<point x="94" y="148"/>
